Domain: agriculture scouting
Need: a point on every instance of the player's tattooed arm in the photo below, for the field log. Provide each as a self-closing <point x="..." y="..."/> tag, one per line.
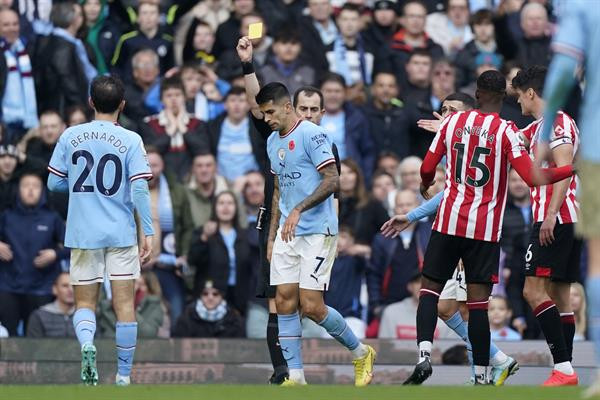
<point x="330" y="184"/>
<point x="275" y="215"/>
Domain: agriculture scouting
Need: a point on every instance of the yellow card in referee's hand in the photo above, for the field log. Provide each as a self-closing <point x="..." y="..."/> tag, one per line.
<point x="255" y="30"/>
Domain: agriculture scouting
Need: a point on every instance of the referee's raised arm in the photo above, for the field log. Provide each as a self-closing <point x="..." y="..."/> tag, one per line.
<point x="244" y="49"/>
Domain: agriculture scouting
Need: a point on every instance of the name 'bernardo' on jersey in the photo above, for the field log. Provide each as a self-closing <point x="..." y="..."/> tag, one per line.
<point x="110" y="139"/>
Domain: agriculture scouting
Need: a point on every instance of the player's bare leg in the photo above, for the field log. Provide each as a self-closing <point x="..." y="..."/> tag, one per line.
<point x="427" y="314"/>
<point x="126" y="328"/>
<point x="593" y="292"/>
<point x="313" y="306"/>
<point x="548" y="316"/>
<point x="290" y="331"/>
<point x="84" y="321"/>
<point x="478" y="295"/>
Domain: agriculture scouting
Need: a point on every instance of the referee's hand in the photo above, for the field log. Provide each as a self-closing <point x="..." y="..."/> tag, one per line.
<point x="146" y="249"/>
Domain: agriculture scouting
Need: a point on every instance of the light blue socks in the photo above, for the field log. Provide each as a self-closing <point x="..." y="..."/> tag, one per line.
<point x="84" y="322"/>
<point x="290" y="336"/>
<point x="126" y="338"/>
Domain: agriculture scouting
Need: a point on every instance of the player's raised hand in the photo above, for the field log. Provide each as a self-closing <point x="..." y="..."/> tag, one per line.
<point x="6" y="253"/>
<point x="244" y="49"/>
<point x="288" y="232"/>
<point x="44" y="258"/>
<point x="431" y="125"/>
<point x="146" y="250"/>
<point x="395" y="225"/>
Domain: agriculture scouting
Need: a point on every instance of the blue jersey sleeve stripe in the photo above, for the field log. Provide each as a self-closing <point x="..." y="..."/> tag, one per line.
<point x="568" y="50"/>
<point x="325" y="163"/>
<point x="143" y="175"/>
<point x="57" y="172"/>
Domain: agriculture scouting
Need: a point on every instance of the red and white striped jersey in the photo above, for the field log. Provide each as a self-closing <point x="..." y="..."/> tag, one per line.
<point x="478" y="148"/>
<point x="564" y="132"/>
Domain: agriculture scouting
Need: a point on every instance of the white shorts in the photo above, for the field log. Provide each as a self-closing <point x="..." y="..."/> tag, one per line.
<point x="306" y="260"/>
<point x="456" y="287"/>
<point x="89" y="265"/>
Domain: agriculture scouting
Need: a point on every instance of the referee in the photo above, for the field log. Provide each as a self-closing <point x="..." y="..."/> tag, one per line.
<point x="308" y="104"/>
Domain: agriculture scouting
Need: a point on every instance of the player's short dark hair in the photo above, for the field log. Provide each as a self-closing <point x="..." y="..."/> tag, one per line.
<point x="107" y="93"/>
<point x="492" y="82"/>
<point x="419" y="2"/>
<point x="350" y="7"/>
<point x="287" y="35"/>
<point x="333" y="77"/>
<point x="235" y="91"/>
<point x="309" y="91"/>
<point x="483" y="16"/>
<point x="420" y="52"/>
<point x="532" y="77"/>
<point x="173" y="82"/>
<point x="464" y="98"/>
<point x="274" y="91"/>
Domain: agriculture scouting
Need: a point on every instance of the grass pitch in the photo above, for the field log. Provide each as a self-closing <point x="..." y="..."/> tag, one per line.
<point x="258" y="392"/>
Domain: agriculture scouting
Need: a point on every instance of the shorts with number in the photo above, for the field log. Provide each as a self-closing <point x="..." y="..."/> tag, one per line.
<point x="90" y="265"/>
<point x="306" y="260"/>
<point x="456" y="287"/>
<point x="560" y="260"/>
<point x="480" y="258"/>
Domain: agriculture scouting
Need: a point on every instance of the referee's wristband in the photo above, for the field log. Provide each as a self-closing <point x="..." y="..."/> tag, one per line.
<point x="247" y="68"/>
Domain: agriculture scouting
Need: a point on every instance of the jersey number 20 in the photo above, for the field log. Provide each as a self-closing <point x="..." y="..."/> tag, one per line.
<point x="89" y="164"/>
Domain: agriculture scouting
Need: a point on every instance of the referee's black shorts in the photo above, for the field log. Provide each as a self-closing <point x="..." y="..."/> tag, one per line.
<point x="263" y="286"/>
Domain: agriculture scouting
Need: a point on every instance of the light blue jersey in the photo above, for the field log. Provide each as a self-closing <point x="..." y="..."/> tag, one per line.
<point x="577" y="43"/>
<point x="296" y="159"/>
<point x="100" y="160"/>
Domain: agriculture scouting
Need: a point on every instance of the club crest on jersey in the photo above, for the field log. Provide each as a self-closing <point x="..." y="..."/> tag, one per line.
<point x="281" y="154"/>
<point x="291" y="145"/>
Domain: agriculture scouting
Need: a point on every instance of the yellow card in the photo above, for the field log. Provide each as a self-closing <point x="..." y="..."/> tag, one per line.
<point x="255" y="30"/>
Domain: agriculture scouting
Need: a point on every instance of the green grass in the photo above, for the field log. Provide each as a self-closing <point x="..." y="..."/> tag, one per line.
<point x="256" y="392"/>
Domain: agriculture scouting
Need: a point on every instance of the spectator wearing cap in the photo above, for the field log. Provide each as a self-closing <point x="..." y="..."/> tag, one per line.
<point x="450" y="29"/>
<point x="175" y="133"/>
<point x="228" y="32"/>
<point x="148" y="35"/>
<point x="234" y="140"/>
<point x="412" y="36"/>
<point x="61" y="67"/>
<point x="348" y="55"/>
<point x="379" y="33"/>
<point x="31" y="251"/>
<point x="210" y="316"/>
<point x="13" y="164"/>
<point x="482" y="62"/>
<point x="18" y="107"/>
<point x="142" y="93"/>
<point x="55" y="319"/>
<point x="284" y="65"/>
<point x="484" y="42"/>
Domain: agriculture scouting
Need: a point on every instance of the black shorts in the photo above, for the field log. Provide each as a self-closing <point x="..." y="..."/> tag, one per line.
<point x="560" y="260"/>
<point x="480" y="258"/>
<point x="263" y="285"/>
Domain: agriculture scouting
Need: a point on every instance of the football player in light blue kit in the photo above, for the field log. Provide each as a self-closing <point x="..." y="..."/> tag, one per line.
<point x="304" y="228"/>
<point x="104" y="169"/>
<point x="577" y="44"/>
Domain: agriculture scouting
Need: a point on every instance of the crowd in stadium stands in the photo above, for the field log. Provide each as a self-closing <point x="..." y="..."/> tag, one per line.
<point x="382" y="65"/>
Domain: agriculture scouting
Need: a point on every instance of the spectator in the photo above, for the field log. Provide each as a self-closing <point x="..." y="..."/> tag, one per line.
<point x="346" y="125"/>
<point x="482" y="62"/>
<point x="101" y="34"/>
<point x="228" y="32"/>
<point x="443" y="84"/>
<point x="42" y="146"/>
<point x="175" y="133"/>
<point x="388" y="120"/>
<point x="511" y="110"/>
<point x="148" y="35"/>
<point x="150" y="311"/>
<point x="13" y="164"/>
<point x="18" y="107"/>
<point x="204" y="91"/>
<point x="235" y="142"/>
<point x="142" y="94"/>
<point x="220" y="249"/>
<point x="318" y="31"/>
<point x="199" y="43"/>
<point x="388" y="162"/>
<point x="61" y="69"/>
<point x="399" y="319"/>
<point x="416" y="86"/>
<point x="204" y="186"/>
<point x="412" y="36"/>
<point x="253" y="194"/>
<point x="579" y="305"/>
<point x="31" y="251"/>
<point x="210" y="316"/>
<point x="356" y="210"/>
<point x="173" y="227"/>
<point x="450" y="29"/>
<point x="348" y="56"/>
<point x="484" y="42"/>
<point x="192" y="80"/>
<point x="284" y="66"/>
<point x="347" y="275"/>
<point x="55" y="319"/>
<point x="77" y="114"/>
<point x="409" y="174"/>
<point x="380" y="32"/>
<point x="394" y="262"/>
<point x="383" y="186"/>
<point x="499" y="315"/>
